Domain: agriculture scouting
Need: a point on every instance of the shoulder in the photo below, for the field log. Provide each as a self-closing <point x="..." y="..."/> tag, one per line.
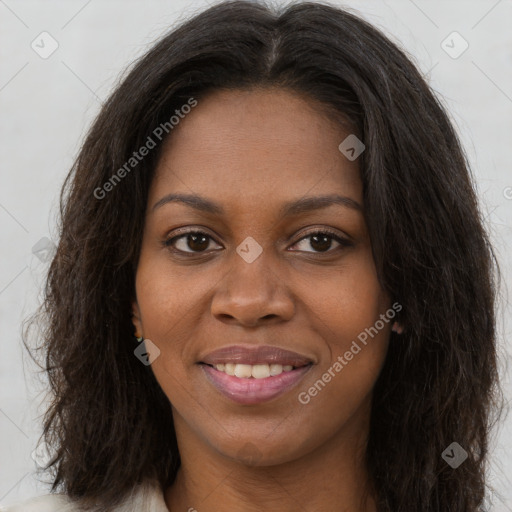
<point x="147" y="497"/>
<point x="47" y="503"/>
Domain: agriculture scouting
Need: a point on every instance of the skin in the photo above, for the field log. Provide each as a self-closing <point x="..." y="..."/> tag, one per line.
<point x="251" y="151"/>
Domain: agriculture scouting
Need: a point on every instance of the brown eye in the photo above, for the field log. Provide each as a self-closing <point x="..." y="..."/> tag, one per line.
<point x="321" y="241"/>
<point x="191" y="242"/>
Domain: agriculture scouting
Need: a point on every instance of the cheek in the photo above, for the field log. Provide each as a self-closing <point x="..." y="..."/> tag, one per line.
<point x="169" y="298"/>
<point x="350" y="315"/>
<point x="167" y="308"/>
<point x="349" y="301"/>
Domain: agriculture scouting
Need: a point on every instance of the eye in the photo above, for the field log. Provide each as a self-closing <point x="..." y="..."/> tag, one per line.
<point x="190" y="242"/>
<point x="322" y="241"/>
<point x="195" y="242"/>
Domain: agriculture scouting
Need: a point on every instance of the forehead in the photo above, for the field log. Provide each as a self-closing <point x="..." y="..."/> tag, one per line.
<point x="241" y="143"/>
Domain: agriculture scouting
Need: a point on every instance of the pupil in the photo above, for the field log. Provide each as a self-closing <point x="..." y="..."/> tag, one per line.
<point x="322" y="246"/>
<point x="195" y="245"/>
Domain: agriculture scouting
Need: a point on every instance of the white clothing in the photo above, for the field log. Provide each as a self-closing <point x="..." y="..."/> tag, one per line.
<point x="144" y="498"/>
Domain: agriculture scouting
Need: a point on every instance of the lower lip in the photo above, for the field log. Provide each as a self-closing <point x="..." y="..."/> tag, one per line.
<point x="253" y="391"/>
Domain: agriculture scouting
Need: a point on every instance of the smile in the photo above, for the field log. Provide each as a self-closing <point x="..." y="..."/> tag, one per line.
<point x="252" y="374"/>
<point x="249" y="390"/>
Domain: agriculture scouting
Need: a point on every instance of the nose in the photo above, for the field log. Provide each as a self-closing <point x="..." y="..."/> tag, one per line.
<point x="252" y="293"/>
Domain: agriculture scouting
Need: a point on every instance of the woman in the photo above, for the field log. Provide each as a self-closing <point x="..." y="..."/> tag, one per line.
<point x="273" y="288"/>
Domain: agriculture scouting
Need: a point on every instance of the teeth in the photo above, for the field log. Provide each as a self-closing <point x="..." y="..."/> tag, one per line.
<point x="229" y="368"/>
<point x="260" y="371"/>
<point x="243" y="371"/>
<point x="256" y="371"/>
<point x="275" y="369"/>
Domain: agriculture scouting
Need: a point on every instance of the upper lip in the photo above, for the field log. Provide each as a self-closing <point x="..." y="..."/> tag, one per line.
<point x="262" y="354"/>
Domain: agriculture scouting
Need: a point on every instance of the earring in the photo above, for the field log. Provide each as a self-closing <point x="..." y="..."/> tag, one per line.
<point x="397" y="328"/>
<point x="139" y="337"/>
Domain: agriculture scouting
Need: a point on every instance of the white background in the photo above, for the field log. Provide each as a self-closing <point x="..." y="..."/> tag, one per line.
<point x="46" y="106"/>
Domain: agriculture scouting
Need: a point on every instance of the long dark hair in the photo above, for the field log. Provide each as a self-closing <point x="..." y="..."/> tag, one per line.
<point x="110" y="423"/>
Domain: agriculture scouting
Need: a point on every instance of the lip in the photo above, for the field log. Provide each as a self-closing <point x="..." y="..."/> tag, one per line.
<point x="262" y="354"/>
<point x="254" y="391"/>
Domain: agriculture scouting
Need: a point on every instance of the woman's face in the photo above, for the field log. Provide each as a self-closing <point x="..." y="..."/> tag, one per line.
<point x="257" y="278"/>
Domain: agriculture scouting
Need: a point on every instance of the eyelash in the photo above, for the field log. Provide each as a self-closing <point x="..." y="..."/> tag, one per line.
<point x="325" y="231"/>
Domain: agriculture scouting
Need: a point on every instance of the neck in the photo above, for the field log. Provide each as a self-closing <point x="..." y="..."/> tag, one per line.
<point x="331" y="477"/>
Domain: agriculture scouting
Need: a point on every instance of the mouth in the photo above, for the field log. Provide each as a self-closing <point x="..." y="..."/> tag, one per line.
<point x="252" y="375"/>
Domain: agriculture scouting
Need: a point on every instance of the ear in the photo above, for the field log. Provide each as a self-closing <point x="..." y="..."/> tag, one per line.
<point x="398" y="328"/>
<point x="136" y="320"/>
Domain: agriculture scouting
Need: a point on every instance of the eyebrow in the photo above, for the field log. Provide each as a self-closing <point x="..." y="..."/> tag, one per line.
<point x="305" y="204"/>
